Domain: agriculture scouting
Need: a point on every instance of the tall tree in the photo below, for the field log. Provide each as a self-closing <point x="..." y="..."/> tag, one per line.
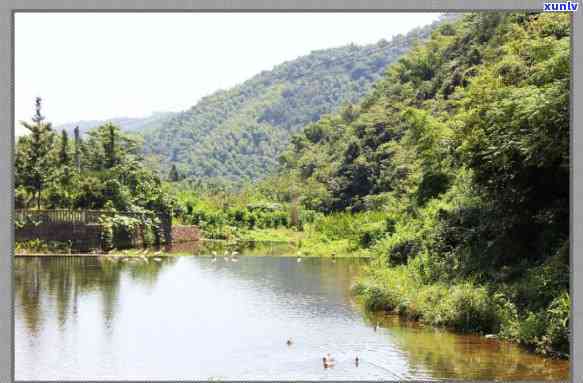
<point x="64" y="158"/>
<point x="35" y="165"/>
<point x="110" y="146"/>
<point x="174" y="176"/>
<point x="77" y="149"/>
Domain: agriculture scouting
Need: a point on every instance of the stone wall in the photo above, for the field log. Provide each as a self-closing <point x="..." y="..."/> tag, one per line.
<point x="184" y="233"/>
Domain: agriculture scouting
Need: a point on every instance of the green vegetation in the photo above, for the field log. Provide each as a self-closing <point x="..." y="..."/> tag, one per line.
<point x="452" y="173"/>
<point x="464" y="148"/>
<point x="237" y="134"/>
<point x="103" y="171"/>
<point x="127" y="124"/>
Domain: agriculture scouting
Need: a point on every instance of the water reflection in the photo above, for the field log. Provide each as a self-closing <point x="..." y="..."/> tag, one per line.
<point x="444" y="354"/>
<point x="263" y="248"/>
<point x="190" y="318"/>
<point x="59" y="282"/>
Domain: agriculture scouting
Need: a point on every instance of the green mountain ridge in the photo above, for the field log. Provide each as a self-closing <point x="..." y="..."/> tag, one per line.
<point x="238" y="134"/>
<point x="128" y="124"/>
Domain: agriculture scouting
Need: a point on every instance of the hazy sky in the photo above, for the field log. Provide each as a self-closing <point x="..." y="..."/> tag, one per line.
<point x="103" y="65"/>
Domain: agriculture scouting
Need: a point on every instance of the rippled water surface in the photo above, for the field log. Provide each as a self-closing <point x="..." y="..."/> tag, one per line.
<point x="191" y="318"/>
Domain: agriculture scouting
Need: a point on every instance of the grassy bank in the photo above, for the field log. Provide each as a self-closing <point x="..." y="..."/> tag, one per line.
<point x="467" y="306"/>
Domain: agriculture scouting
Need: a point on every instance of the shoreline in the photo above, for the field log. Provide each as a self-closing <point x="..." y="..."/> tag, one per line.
<point x="169" y="255"/>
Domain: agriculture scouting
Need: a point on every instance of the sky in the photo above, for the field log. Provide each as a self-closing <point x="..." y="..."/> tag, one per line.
<point x="90" y="66"/>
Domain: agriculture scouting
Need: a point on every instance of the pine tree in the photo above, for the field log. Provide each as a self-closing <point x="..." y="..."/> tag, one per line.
<point x="109" y="147"/>
<point x="174" y="176"/>
<point x="77" y="149"/>
<point x="64" y="158"/>
<point x="35" y="168"/>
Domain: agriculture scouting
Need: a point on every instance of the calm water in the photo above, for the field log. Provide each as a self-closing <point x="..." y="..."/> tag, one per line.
<point x="190" y="318"/>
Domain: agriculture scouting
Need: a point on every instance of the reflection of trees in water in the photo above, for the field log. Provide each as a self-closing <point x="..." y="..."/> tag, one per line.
<point x="444" y="354"/>
<point x="285" y="277"/>
<point x="65" y="279"/>
<point x="316" y="273"/>
<point x="27" y="291"/>
<point x="243" y="247"/>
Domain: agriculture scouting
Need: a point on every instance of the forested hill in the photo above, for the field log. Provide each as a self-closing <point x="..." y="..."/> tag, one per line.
<point x="464" y="145"/>
<point x="127" y="124"/>
<point x="239" y="133"/>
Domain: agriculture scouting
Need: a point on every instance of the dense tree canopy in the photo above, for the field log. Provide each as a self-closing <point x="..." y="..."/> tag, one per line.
<point x="465" y="144"/>
<point x="108" y="170"/>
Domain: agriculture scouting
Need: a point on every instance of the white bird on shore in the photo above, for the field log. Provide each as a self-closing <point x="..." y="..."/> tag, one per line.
<point x="299" y="259"/>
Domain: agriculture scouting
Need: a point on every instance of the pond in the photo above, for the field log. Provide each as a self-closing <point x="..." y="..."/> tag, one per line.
<point x="194" y="319"/>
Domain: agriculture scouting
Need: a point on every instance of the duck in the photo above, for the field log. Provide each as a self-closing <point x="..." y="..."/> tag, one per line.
<point x="328" y="361"/>
<point x="289" y="342"/>
<point x="299" y="258"/>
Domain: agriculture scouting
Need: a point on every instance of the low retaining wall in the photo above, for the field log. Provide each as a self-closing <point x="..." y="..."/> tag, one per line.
<point x="184" y="233"/>
<point x="82" y="230"/>
<point x="82" y="236"/>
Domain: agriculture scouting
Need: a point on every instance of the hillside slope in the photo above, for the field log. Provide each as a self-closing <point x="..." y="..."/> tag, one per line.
<point x="128" y="124"/>
<point x="464" y="148"/>
<point x="239" y="133"/>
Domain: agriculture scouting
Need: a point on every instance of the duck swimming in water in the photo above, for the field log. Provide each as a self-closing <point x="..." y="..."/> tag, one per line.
<point x="328" y="361"/>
